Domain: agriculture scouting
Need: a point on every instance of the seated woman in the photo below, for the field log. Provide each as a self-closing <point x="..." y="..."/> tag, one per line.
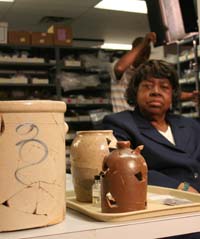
<point x="171" y="142"/>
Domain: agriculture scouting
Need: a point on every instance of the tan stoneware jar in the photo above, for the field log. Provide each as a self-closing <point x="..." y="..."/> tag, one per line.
<point x="124" y="181"/>
<point x="87" y="152"/>
<point x="32" y="164"/>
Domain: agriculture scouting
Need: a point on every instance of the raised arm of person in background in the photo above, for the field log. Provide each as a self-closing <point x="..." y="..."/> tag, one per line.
<point x="139" y="53"/>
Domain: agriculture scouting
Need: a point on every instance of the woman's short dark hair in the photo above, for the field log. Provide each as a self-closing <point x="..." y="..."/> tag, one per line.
<point x="152" y="68"/>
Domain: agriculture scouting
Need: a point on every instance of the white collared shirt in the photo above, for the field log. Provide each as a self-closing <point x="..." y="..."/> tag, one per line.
<point x="168" y="134"/>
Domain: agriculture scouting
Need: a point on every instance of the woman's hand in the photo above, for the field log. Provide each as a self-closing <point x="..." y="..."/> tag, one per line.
<point x="190" y="189"/>
<point x="193" y="96"/>
<point x="150" y="37"/>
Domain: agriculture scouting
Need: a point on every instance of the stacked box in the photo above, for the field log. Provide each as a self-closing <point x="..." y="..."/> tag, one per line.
<point x="62" y="35"/>
<point x="19" y="37"/>
<point x="41" y="38"/>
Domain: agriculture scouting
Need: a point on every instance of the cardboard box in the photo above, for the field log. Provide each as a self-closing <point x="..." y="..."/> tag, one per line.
<point x="3" y="32"/>
<point x="62" y="35"/>
<point x="19" y="37"/>
<point x="41" y="38"/>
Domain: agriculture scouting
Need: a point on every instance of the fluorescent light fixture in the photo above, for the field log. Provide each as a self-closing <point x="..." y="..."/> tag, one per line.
<point x="7" y="1"/>
<point x="116" y="46"/>
<point x="138" y="6"/>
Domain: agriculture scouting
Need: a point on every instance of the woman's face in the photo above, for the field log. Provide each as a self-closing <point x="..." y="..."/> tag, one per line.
<point x="154" y="96"/>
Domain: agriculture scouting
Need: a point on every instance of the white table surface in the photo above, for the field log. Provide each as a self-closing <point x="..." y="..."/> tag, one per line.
<point x="79" y="226"/>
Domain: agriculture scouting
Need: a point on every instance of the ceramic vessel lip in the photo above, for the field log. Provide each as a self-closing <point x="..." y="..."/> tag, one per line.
<point x="32" y="106"/>
<point x="123" y="144"/>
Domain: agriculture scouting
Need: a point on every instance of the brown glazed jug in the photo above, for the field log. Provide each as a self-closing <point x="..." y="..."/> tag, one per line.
<point x="124" y="182"/>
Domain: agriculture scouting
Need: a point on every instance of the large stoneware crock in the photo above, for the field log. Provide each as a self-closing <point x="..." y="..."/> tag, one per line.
<point x="32" y="164"/>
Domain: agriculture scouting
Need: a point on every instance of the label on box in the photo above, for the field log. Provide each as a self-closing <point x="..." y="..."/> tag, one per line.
<point x="61" y="35"/>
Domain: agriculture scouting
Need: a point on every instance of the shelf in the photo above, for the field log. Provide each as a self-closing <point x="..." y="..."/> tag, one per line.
<point x="79" y="126"/>
<point x="25" y="65"/>
<point x="78" y="49"/>
<point x="93" y="89"/>
<point x="76" y="121"/>
<point x="81" y="69"/>
<point x="23" y="46"/>
<point x="187" y="80"/>
<point x="192" y="114"/>
<point x="188" y="58"/>
<point x="88" y="106"/>
<point x="28" y="85"/>
<point x="48" y="63"/>
<point x="76" y="69"/>
<point x="188" y="104"/>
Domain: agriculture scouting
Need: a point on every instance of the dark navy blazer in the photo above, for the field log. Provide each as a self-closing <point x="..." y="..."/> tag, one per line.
<point x="168" y="164"/>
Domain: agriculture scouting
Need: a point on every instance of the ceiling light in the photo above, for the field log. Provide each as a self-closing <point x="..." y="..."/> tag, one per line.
<point x="138" y="6"/>
<point x="7" y="0"/>
<point x="116" y="46"/>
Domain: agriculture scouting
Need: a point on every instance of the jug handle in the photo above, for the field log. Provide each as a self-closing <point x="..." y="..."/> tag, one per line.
<point x="2" y="125"/>
<point x="66" y="127"/>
